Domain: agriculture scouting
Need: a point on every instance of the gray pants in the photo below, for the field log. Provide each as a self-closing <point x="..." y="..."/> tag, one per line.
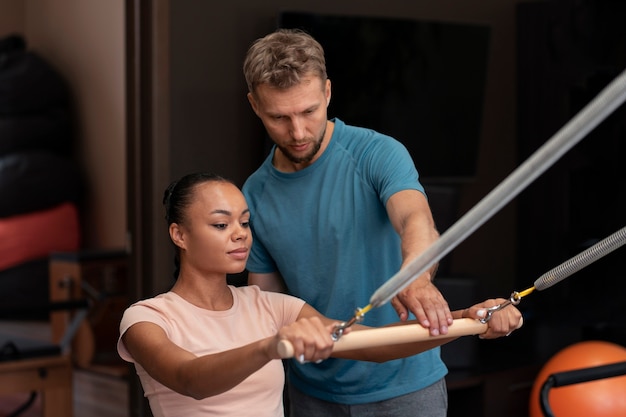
<point x="431" y="401"/>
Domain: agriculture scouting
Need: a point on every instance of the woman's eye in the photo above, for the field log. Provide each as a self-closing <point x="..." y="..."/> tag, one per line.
<point x="245" y="224"/>
<point x="220" y="226"/>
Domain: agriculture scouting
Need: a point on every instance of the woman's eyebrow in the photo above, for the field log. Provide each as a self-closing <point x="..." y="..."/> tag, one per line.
<point x="227" y="212"/>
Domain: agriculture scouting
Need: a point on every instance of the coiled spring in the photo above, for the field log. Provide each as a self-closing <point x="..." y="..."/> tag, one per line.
<point x="578" y="262"/>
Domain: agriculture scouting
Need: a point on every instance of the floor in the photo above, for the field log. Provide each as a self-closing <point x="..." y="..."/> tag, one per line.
<point x="98" y="391"/>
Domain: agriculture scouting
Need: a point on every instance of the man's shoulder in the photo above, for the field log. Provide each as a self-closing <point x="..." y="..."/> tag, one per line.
<point x="257" y="178"/>
<point x="365" y="142"/>
<point x="347" y="133"/>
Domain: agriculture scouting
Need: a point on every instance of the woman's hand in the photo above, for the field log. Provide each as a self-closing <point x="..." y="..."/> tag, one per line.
<point x="310" y="339"/>
<point x="502" y="322"/>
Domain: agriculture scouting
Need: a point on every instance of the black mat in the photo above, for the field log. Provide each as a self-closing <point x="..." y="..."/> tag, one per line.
<point x="12" y="348"/>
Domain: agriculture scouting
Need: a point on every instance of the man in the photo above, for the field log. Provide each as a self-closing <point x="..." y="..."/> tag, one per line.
<point x="336" y="211"/>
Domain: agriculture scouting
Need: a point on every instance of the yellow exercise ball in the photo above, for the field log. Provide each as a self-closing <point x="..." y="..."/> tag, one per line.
<point x="598" y="398"/>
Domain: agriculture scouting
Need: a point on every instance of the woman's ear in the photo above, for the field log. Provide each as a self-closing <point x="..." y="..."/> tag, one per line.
<point x="177" y="236"/>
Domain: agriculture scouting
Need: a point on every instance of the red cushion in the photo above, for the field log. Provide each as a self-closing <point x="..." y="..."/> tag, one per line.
<point x="34" y="235"/>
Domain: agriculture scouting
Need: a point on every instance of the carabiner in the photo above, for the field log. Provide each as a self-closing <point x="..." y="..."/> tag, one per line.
<point x="513" y="299"/>
<point x="341" y="327"/>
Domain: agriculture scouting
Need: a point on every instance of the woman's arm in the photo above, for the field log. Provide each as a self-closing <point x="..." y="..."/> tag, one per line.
<point x="309" y="337"/>
<point x="205" y="376"/>
<point x="184" y="372"/>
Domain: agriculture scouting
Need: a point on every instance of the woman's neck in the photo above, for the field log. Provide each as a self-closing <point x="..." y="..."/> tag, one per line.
<point x="210" y="294"/>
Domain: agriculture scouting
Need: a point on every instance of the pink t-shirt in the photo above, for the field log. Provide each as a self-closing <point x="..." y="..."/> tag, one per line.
<point x="254" y="315"/>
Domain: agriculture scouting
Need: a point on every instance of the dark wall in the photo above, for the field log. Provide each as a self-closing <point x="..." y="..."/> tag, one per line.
<point x="213" y="127"/>
<point x="568" y="53"/>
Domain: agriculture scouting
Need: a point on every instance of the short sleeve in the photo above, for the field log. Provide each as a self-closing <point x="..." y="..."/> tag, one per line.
<point x="135" y="314"/>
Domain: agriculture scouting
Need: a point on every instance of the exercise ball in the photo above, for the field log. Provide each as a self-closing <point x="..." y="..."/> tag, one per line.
<point x="598" y="398"/>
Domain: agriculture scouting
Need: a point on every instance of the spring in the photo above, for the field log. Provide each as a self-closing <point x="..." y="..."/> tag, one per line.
<point x="581" y="260"/>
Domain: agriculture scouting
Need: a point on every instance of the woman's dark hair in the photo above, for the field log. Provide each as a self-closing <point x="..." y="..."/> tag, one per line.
<point x="178" y="197"/>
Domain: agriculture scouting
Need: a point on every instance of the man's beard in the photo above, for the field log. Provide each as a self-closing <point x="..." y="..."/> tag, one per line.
<point x="309" y="156"/>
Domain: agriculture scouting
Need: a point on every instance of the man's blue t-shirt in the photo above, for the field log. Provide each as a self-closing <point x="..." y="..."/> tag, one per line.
<point x="325" y="228"/>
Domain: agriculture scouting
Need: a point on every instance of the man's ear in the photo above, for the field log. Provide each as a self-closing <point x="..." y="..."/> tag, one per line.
<point x="253" y="103"/>
<point x="328" y="92"/>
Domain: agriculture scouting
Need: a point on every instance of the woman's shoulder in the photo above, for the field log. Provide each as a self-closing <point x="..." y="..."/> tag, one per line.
<point x="249" y="291"/>
<point x="162" y="304"/>
<point x="255" y="293"/>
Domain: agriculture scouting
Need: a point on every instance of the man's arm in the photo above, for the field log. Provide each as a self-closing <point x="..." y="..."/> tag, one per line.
<point x="272" y="281"/>
<point x="410" y="215"/>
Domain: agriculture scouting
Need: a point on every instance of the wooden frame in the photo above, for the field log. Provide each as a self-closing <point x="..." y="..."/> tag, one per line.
<point x="148" y="166"/>
<point x="52" y="376"/>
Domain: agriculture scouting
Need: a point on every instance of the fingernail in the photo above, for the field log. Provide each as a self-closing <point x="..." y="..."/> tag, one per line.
<point x="301" y="358"/>
<point x="481" y="312"/>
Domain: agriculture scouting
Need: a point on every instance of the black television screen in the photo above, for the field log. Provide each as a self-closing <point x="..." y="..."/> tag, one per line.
<point x="421" y="82"/>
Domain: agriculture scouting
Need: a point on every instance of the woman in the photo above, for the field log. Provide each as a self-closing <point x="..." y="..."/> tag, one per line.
<point x="205" y="348"/>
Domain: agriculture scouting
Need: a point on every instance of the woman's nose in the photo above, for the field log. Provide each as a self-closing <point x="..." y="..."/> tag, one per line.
<point x="240" y="234"/>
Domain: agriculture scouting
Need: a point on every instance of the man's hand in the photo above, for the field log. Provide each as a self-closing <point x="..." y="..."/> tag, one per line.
<point x="424" y="300"/>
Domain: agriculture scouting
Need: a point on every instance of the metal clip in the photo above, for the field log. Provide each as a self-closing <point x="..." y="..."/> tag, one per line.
<point x="513" y="299"/>
<point x="341" y="327"/>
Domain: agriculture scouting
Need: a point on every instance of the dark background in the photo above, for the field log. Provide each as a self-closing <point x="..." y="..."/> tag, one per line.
<point x="561" y="54"/>
<point x="567" y="53"/>
<point x="403" y="77"/>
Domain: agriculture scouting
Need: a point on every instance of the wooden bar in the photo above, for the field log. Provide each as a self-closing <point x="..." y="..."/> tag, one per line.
<point x="394" y="335"/>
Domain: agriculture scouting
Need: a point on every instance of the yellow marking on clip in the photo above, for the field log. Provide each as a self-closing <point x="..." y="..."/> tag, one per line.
<point x="364" y="310"/>
<point x="526" y="292"/>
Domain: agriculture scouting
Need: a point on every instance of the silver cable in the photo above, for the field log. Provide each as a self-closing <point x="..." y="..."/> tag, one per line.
<point x="578" y="262"/>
